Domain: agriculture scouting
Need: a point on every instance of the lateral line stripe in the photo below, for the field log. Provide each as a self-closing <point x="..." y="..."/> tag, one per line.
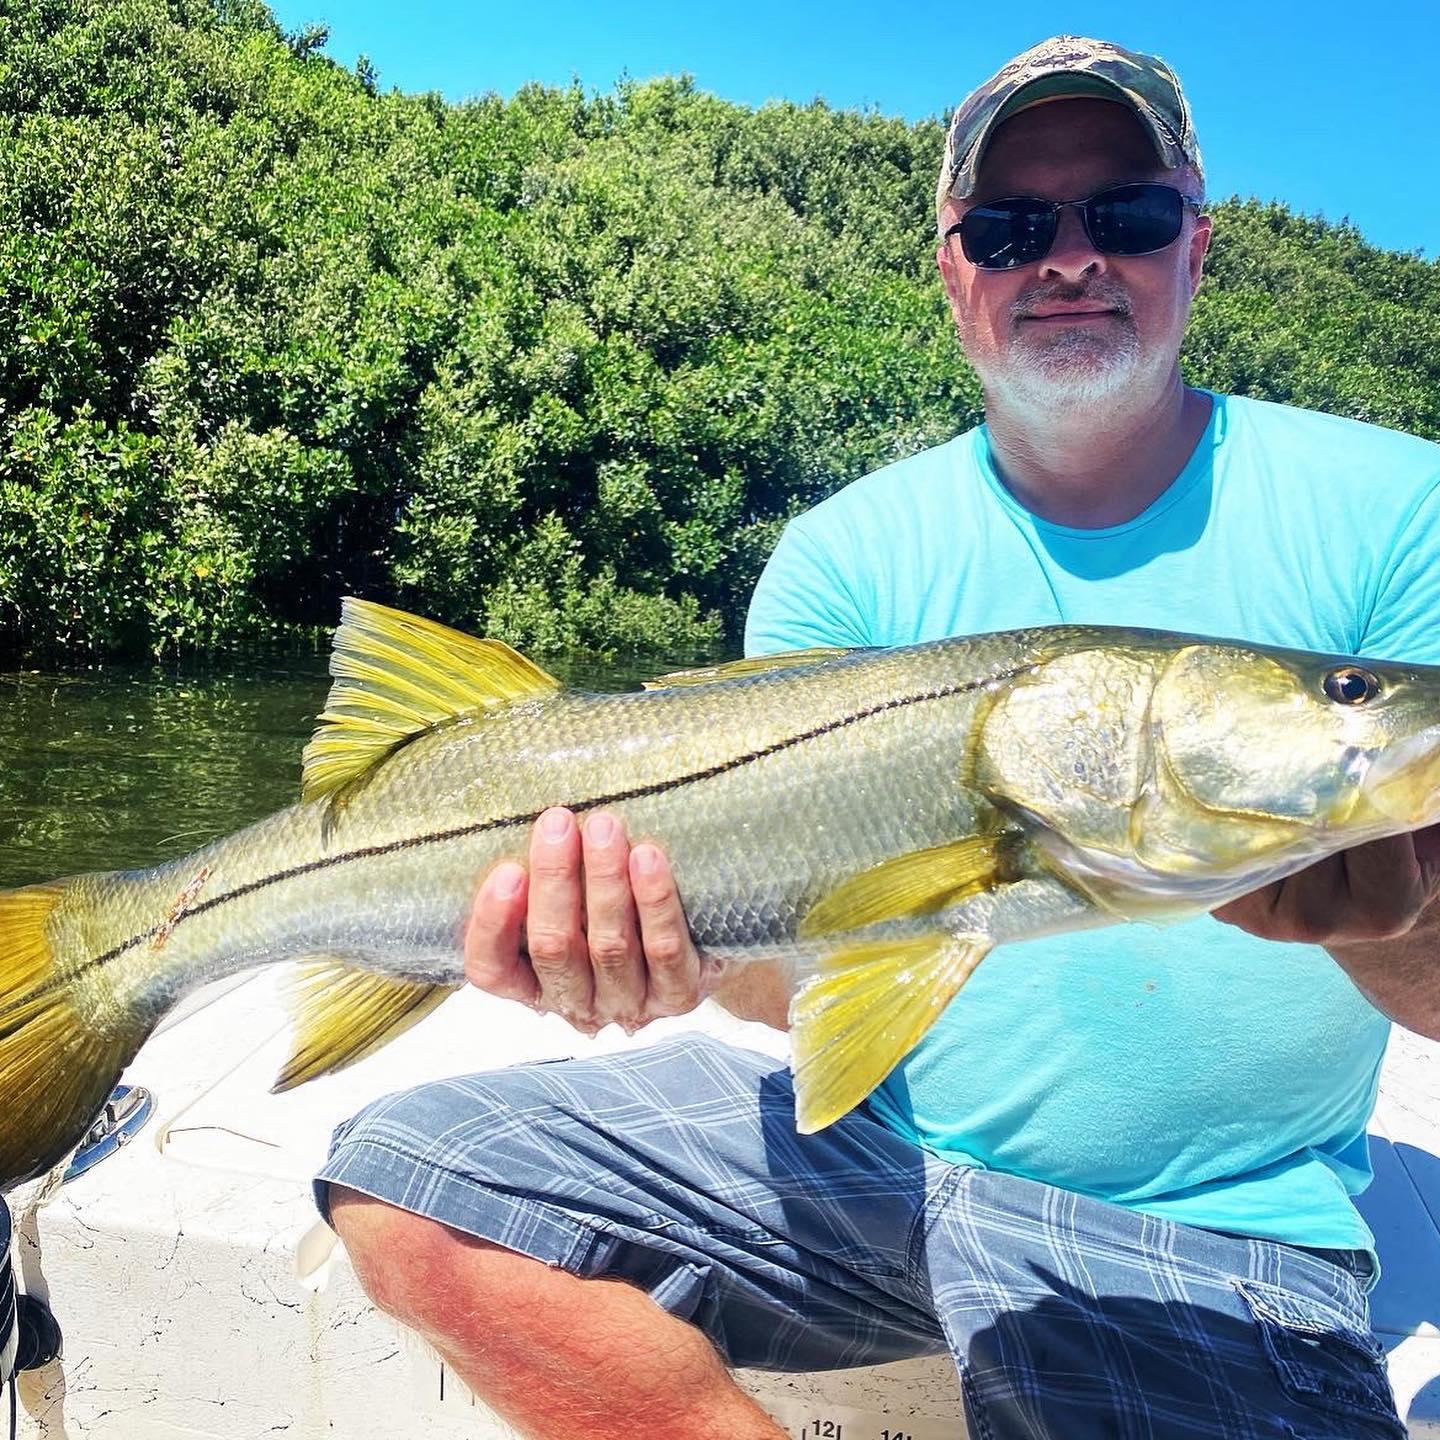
<point x="594" y="802"/>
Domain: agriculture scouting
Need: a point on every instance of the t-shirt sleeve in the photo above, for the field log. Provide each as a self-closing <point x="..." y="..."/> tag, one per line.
<point x="1404" y="619"/>
<point x="802" y="599"/>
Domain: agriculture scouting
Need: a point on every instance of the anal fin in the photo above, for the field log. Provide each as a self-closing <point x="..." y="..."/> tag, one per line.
<point x="342" y="1014"/>
<point x="866" y="1009"/>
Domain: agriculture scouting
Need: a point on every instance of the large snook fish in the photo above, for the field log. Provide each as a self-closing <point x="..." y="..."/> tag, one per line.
<point x="877" y="820"/>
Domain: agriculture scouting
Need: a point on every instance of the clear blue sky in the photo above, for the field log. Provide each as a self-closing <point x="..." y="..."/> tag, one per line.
<point x="1332" y="108"/>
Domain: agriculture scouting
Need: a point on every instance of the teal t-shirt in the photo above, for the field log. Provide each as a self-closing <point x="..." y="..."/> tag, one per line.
<point x="1190" y="1071"/>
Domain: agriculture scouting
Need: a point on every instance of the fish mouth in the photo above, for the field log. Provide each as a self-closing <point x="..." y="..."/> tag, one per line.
<point x="1403" y="781"/>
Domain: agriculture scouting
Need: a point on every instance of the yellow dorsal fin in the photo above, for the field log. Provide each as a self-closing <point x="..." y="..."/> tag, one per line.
<point x="342" y="1014"/>
<point x="396" y="675"/>
<point x="751" y="665"/>
<point x="866" y="1009"/>
<point x="908" y="885"/>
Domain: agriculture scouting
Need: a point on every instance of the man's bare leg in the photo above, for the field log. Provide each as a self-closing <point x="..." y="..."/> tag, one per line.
<point x="558" y="1357"/>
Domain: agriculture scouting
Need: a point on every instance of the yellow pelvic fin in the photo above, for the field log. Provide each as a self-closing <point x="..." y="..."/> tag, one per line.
<point x="342" y="1014"/>
<point x="852" y="1023"/>
<point x="751" y="665"/>
<point x="913" y="884"/>
<point x="57" y="1068"/>
<point x="396" y="675"/>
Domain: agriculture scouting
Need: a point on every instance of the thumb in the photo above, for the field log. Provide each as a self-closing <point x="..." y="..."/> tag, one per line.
<point x="1427" y="855"/>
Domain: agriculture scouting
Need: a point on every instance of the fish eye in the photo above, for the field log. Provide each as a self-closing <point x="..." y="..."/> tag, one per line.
<point x="1350" y="685"/>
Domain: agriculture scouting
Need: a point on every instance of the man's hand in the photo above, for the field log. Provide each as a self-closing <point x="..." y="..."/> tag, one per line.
<point x="1375" y="891"/>
<point x="594" y="931"/>
<point x="1376" y="910"/>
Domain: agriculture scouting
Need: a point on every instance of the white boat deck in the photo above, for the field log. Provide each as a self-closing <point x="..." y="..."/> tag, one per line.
<point x="174" y="1267"/>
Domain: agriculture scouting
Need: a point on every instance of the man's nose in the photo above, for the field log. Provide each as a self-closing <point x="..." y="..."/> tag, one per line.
<point x="1072" y="257"/>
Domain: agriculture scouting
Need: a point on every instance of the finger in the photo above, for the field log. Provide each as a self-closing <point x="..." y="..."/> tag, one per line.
<point x="1254" y="913"/>
<point x="611" y="929"/>
<point x="1309" y="903"/>
<point x="554" y="923"/>
<point x="1427" y="856"/>
<point x="493" y="960"/>
<point x="1369" y="892"/>
<point x="1365" y="893"/>
<point x="1386" y="888"/>
<point x="673" y="965"/>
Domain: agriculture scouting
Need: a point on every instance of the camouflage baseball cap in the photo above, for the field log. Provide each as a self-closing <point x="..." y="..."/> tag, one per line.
<point x="1061" y="67"/>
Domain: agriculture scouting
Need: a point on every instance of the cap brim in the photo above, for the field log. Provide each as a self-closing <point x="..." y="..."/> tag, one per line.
<point x="1065" y="85"/>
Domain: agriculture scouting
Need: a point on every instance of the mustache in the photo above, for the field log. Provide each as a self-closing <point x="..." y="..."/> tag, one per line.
<point x="1098" y="292"/>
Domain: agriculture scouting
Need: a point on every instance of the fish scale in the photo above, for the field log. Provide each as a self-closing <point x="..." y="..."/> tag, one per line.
<point x="877" y="820"/>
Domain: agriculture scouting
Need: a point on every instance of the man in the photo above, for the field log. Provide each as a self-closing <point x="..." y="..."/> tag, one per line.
<point x="1114" y="1179"/>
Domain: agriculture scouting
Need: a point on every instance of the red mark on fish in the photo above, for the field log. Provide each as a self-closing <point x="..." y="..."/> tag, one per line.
<point x="177" y="910"/>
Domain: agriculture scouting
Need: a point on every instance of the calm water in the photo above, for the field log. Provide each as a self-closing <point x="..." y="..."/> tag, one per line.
<point x="109" y="768"/>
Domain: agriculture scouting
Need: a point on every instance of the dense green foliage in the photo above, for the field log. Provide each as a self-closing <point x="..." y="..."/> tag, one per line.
<point x="556" y="367"/>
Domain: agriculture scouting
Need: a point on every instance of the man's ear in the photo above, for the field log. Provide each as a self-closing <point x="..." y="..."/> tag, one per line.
<point x="945" y="259"/>
<point x="949" y="272"/>
<point x="1199" y="244"/>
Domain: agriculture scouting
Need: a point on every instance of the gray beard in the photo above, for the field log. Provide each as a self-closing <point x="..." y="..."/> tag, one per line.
<point x="1071" y="370"/>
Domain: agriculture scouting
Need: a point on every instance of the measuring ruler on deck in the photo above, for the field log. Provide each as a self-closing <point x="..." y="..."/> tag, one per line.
<point x="807" y="1421"/>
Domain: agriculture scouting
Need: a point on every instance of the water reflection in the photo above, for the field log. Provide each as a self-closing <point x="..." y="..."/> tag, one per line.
<point x="110" y="767"/>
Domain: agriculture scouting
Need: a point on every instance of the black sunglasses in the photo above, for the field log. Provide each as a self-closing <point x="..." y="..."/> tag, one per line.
<point x="1123" y="220"/>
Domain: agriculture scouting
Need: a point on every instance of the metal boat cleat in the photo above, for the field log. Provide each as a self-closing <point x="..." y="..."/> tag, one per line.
<point x="127" y="1109"/>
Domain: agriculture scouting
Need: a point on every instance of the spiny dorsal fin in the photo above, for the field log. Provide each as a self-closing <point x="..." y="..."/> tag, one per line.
<point x="853" y="1022"/>
<point x="751" y="665"/>
<point x="342" y="1014"/>
<point x="913" y="884"/>
<point x="396" y="675"/>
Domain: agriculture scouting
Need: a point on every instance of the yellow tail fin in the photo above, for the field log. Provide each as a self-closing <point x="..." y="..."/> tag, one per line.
<point x="57" y="1067"/>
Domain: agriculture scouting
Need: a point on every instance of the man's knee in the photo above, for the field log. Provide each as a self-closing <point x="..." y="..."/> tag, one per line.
<point x="407" y="1263"/>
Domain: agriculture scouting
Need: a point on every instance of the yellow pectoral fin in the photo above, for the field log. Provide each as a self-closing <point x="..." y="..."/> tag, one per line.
<point x="398" y="674"/>
<point x="342" y="1014"/>
<point x="852" y="1023"/>
<point x="914" y="884"/>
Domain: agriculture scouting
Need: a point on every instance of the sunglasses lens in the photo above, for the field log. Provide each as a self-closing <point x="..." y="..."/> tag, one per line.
<point x="1007" y="233"/>
<point x="1134" y="219"/>
<point x="1125" y="220"/>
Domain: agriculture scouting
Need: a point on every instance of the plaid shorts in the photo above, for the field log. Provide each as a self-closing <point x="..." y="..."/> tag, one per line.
<point x="678" y="1168"/>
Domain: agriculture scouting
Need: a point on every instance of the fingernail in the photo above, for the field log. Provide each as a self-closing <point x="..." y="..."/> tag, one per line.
<point x="555" y="824"/>
<point x="600" y="829"/>
<point x="506" y="881"/>
<point x="647" y="859"/>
